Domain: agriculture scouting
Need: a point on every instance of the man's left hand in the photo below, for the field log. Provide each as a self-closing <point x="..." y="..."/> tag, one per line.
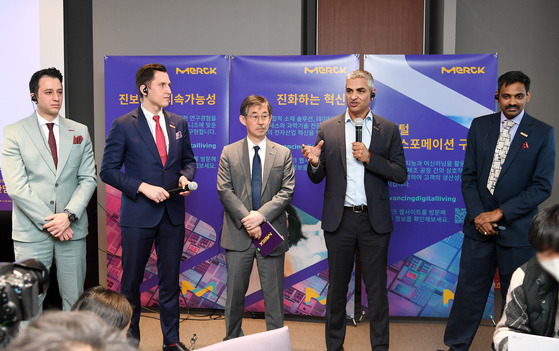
<point x="486" y="222"/>
<point x="360" y="152"/>
<point x="183" y="182"/>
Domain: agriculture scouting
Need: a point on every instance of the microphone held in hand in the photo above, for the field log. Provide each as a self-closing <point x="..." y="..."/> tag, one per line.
<point x="188" y="187"/>
<point x="359" y="130"/>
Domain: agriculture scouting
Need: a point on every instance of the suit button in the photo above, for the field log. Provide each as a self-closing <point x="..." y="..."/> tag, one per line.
<point x="52" y="202"/>
<point x="56" y="185"/>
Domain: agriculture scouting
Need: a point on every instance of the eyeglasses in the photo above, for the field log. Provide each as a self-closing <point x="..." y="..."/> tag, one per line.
<point x="256" y="117"/>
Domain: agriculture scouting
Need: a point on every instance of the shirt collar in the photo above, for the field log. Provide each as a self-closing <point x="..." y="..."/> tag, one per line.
<point x="251" y="145"/>
<point x="43" y="121"/>
<point x="150" y="115"/>
<point x="516" y="119"/>
<point x="369" y="116"/>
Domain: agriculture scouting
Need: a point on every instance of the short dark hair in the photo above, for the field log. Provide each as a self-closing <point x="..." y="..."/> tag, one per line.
<point x="113" y="307"/>
<point x="49" y="72"/>
<point x="145" y="74"/>
<point x="252" y="100"/>
<point x="513" y="77"/>
<point x="544" y="229"/>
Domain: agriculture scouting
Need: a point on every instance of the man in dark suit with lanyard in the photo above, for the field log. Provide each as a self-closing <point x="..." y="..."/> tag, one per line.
<point x="356" y="213"/>
<point x="508" y="171"/>
<point x="154" y="147"/>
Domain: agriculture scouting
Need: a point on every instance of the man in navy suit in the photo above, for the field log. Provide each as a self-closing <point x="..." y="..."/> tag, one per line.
<point x="154" y="147"/>
<point x="356" y="213"/>
<point x="502" y="192"/>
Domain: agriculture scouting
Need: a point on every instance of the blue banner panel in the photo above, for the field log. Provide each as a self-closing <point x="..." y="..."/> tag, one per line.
<point x="433" y="99"/>
<point x="303" y="91"/>
<point x="199" y="87"/>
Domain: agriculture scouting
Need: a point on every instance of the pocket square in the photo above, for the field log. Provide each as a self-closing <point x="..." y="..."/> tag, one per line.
<point x="78" y="139"/>
<point x="178" y="135"/>
<point x="525" y="145"/>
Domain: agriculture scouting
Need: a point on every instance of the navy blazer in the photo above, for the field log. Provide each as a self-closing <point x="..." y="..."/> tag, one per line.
<point x="387" y="163"/>
<point x="525" y="180"/>
<point x="130" y="143"/>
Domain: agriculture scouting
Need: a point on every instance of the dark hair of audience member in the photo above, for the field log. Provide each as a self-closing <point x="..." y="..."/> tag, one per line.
<point x="113" y="307"/>
<point x="70" y="331"/>
<point x="544" y="229"/>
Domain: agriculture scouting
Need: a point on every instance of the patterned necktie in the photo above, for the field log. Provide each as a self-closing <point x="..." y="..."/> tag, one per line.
<point x="52" y="144"/>
<point x="256" y="183"/>
<point x="500" y="155"/>
<point x="160" y="140"/>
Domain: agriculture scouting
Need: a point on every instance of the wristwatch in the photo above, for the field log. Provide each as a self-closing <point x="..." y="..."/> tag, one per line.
<point x="71" y="215"/>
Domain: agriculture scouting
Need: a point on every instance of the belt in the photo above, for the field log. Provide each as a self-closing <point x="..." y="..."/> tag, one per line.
<point x="356" y="209"/>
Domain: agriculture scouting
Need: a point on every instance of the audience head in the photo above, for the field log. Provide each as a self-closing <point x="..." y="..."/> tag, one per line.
<point x="107" y="304"/>
<point x="70" y="331"/>
<point x="544" y="237"/>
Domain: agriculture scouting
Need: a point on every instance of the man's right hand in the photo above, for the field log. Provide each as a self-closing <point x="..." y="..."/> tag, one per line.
<point x="154" y="193"/>
<point x="66" y="235"/>
<point x="312" y="153"/>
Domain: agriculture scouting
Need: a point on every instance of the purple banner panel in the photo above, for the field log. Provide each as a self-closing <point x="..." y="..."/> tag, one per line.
<point x="303" y="91"/>
<point x="200" y="94"/>
<point x="433" y="99"/>
<point x="5" y="200"/>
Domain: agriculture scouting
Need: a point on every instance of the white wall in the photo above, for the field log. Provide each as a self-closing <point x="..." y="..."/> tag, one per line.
<point x="525" y="35"/>
<point x="32" y="38"/>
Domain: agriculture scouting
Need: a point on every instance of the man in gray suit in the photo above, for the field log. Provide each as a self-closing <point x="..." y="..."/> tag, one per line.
<point x="255" y="182"/>
<point x="49" y="171"/>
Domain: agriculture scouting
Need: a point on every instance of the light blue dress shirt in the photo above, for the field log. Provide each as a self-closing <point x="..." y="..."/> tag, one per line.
<point x="355" y="192"/>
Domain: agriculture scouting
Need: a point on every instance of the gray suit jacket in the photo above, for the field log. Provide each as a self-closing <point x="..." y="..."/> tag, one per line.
<point x="234" y="188"/>
<point x="38" y="189"/>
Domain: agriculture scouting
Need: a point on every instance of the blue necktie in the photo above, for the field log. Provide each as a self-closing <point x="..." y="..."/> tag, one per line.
<point x="256" y="182"/>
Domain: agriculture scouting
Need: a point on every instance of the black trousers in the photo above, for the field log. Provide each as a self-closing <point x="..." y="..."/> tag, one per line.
<point x="136" y="249"/>
<point x="356" y="233"/>
<point x="478" y="264"/>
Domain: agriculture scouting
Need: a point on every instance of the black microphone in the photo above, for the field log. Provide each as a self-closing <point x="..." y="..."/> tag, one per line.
<point x="189" y="187"/>
<point x="359" y="130"/>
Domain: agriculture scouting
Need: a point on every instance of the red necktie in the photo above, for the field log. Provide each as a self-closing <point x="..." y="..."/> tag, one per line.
<point x="52" y="144"/>
<point x="160" y="140"/>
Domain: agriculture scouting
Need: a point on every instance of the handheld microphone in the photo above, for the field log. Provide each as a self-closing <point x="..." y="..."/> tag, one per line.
<point x="359" y="130"/>
<point x="189" y="187"/>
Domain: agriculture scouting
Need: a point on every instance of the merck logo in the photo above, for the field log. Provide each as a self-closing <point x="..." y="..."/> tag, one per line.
<point x="197" y="70"/>
<point x="326" y="70"/>
<point x="463" y="70"/>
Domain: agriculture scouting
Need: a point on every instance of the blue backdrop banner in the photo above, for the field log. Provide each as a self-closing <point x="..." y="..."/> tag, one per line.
<point x="303" y="91"/>
<point x="433" y="99"/>
<point x="200" y="94"/>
